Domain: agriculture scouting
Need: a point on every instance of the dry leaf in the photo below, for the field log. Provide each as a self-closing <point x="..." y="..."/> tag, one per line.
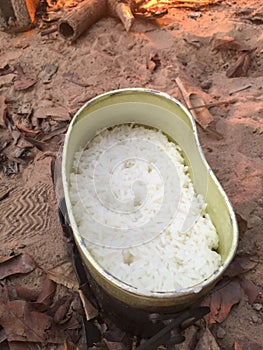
<point x="242" y="224"/>
<point x="4" y="297"/>
<point x="68" y="345"/>
<point x="254" y="292"/>
<point x="21" y="263"/>
<point x="2" y="335"/>
<point x="90" y="311"/>
<point x="223" y="299"/>
<point x="58" y="113"/>
<point x="56" y="132"/>
<point x="22" y="82"/>
<point x="113" y="345"/>
<point x="64" y="274"/>
<point x="47" y="292"/>
<point x="202" y="114"/>
<point x="6" y="69"/>
<point x="48" y="72"/>
<point x="226" y="43"/>
<point x="62" y="310"/>
<point x="3" y="111"/>
<point x="17" y="345"/>
<point x="21" y="323"/>
<point x="237" y="346"/>
<point x="240" y="68"/>
<point x="207" y="342"/>
<point x="25" y="293"/>
<point x="239" y="265"/>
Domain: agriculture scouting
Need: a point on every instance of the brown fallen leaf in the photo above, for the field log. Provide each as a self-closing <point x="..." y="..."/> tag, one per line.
<point x="21" y="323"/>
<point x="2" y="335"/>
<point x="3" y="111"/>
<point x="22" y="82"/>
<point x="193" y="102"/>
<point x="226" y="43"/>
<point x="6" y="69"/>
<point x="47" y="292"/>
<point x="241" y="66"/>
<point x="225" y="296"/>
<point x="207" y="342"/>
<point x="4" y="297"/>
<point x="21" y="263"/>
<point x="25" y="293"/>
<point x="61" y="312"/>
<point x="90" y="311"/>
<point x="253" y="292"/>
<point x="237" y="346"/>
<point x="201" y="114"/>
<point x="113" y="345"/>
<point x="17" y="345"/>
<point x="242" y="224"/>
<point x="64" y="274"/>
<point x="54" y="133"/>
<point x="68" y="345"/>
<point x="48" y="72"/>
<point x="241" y="264"/>
<point x="58" y="113"/>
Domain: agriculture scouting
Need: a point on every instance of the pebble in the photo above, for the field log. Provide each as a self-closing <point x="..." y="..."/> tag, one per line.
<point x="254" y="318"/>
<point x="221" y="333"/>
<point x="257" y="306"/>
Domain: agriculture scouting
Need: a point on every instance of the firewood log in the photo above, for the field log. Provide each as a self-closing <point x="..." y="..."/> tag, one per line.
<point x="122" y="10"/>
<point x="74" y="23"/>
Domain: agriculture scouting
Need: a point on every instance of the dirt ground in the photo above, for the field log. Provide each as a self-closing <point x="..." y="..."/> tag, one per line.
<point x="106" y="57"/>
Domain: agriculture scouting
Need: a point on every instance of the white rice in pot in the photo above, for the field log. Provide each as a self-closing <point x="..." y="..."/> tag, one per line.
<point x="137" y="211"/>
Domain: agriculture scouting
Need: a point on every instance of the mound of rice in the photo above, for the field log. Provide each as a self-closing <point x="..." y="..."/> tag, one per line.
<point x="138" y="213"/>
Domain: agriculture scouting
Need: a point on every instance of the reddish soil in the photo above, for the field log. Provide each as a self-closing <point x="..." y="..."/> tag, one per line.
<point x="106" y="57"/>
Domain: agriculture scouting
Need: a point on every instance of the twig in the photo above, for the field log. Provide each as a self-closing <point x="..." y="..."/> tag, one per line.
<point x="240" y="89"/>
<point x="47" y="31"/>
<point x="213" y="104"/>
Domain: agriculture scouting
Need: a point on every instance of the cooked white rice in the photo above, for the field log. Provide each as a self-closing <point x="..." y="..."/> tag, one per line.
<point x="137" y="211"/>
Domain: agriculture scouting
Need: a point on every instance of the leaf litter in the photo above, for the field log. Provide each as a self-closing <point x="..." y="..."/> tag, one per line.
<point x="3" y="111"/>
<point x="21" y="263"/>
<point x="226" y="294"/>
<point x="64" y="274"/>
<point x="207" y="341"/>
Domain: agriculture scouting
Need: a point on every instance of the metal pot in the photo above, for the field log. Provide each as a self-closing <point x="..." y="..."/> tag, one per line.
<point x="158" y="110"/>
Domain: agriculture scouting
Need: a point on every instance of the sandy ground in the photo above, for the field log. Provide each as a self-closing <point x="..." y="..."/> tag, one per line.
<point x="106" y="57"/>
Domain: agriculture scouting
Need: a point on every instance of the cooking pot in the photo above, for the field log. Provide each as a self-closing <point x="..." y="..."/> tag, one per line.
<point x="156" y="110"/>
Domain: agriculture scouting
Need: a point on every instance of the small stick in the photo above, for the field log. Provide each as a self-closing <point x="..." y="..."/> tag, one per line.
<point x="47" y="31"/>
<point x="213" y="104"/>
<point x="240" y="89"/>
